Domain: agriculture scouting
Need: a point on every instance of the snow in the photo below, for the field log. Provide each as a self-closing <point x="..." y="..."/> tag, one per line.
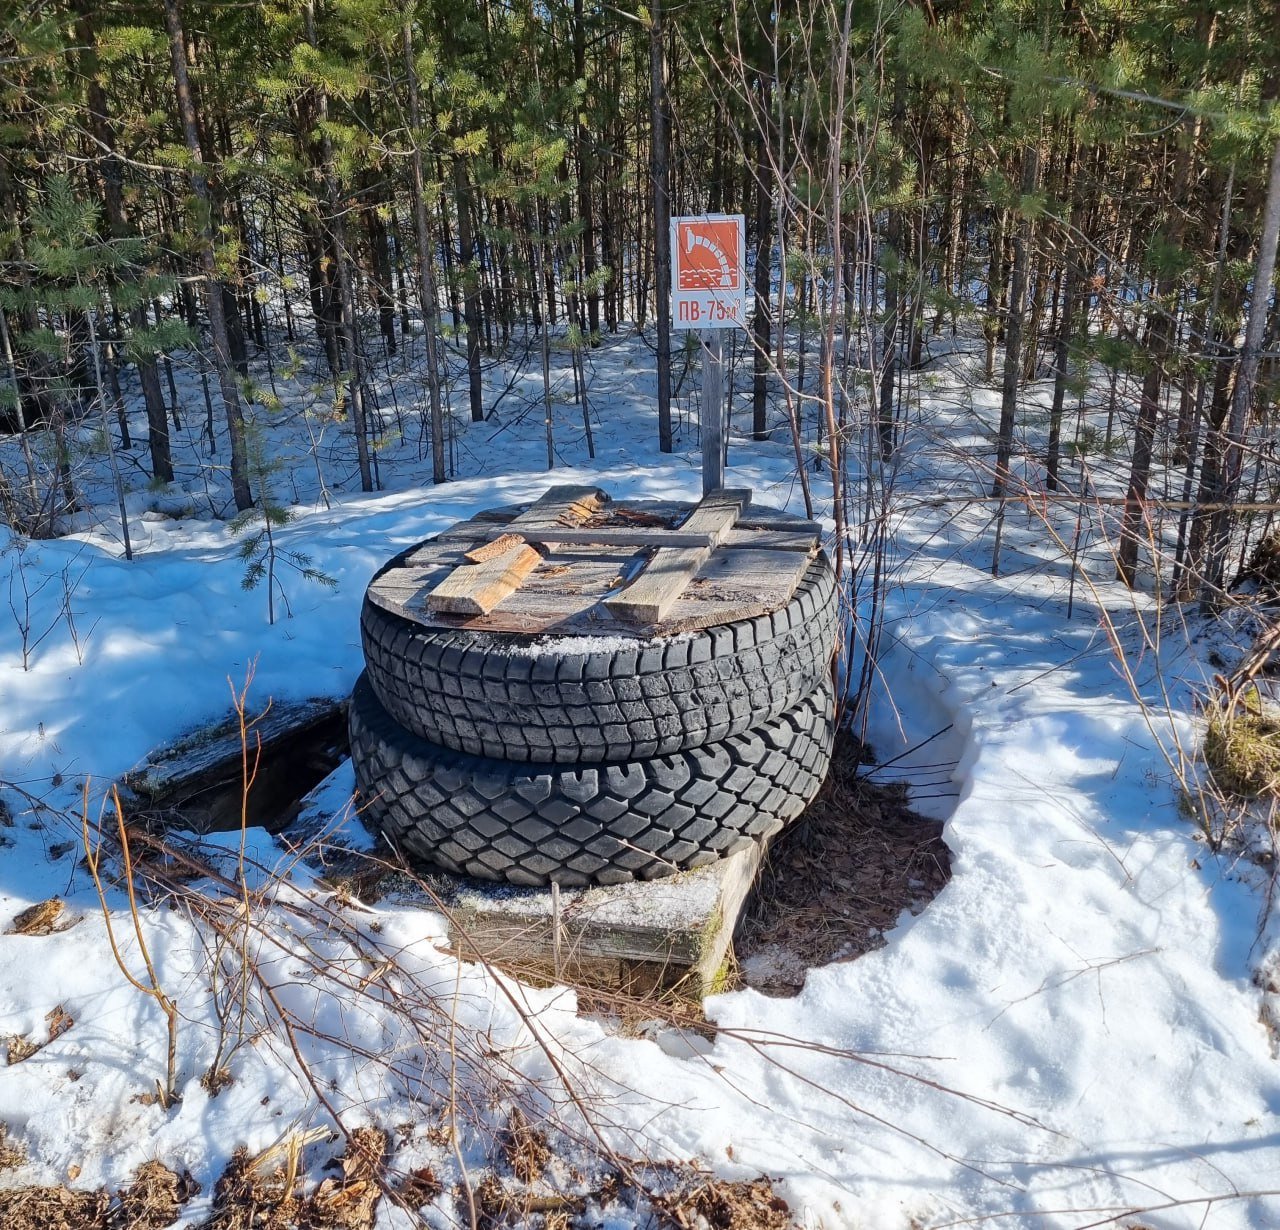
<point x="1069" y="1034"/>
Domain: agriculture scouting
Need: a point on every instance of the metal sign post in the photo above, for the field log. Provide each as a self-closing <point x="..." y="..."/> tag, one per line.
<point x="708" y="287"/>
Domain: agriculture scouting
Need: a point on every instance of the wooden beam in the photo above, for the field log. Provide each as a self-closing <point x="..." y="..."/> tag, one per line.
<point x="475" y="589"/>
<point x="477" y="586"/>
<point x="653" y="593"/>
<point x="602" y="536"/>
<point x="565" y="505"/>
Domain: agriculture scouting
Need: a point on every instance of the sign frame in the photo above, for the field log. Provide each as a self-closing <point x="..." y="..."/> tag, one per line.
<point x="714" y="293"/>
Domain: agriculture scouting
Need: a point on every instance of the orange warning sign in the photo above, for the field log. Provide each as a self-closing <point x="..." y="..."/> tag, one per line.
<point x="708" y="271"/>
<point x="709" y="255"/>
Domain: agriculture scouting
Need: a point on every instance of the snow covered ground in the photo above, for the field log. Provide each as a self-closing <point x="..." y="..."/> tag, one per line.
<point x="1069" y="1035"/>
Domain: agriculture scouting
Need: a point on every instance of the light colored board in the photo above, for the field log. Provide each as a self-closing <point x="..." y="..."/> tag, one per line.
<point x="564" y="505"/>
<point x="800" y="539"/>
<point x="737" y="578"/>
<point x="493" y="548"/>
<point x="718" y="511"/>
<point x="648" y="598"/>
<point x="770" y="540"/>
<point x="597" y="536"/>
<point x="683" y="923"/>
<point x="776" y="519"/>
<point x="475" y="589"/>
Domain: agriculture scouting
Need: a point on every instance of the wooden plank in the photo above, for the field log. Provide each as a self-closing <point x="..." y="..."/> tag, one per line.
<point x="776" y="519"/>
<point x="803" y="537"/>
<point x="770" y="540"/>
<point x="596" y="536"/>
<point x="718" y="511"/>
<point x="493" y="548"/>
<point x="734" y="578"/>
<point x="565" y="505"/>
<point x="475" y="589"/>
<point x="651" y="595"/>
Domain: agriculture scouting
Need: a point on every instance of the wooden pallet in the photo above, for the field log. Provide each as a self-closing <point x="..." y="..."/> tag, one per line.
<point x="577" y="563"/>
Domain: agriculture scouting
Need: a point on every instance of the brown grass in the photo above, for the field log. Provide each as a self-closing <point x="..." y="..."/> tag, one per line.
<point x="11" y="1156"/>
<point x="52" y="1208"/>
<point x="155" y="1198"/>
<point x="841" y="876"/>
<point x="266" y="1193"/>
<point x="525" y="1148"/>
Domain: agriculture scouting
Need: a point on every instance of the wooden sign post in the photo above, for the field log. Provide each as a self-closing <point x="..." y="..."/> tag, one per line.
<point x="708" y="287"/>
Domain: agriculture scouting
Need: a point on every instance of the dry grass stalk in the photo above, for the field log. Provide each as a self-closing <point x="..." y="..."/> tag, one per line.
<point x="266" y="1192"/>
<point x="168" y="1092"/>
<point x="525" y="1148"/>
<point x="11" y="1155"/>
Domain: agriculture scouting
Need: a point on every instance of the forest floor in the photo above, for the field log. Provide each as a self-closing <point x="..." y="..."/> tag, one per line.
<point x="1071" y="1033"/>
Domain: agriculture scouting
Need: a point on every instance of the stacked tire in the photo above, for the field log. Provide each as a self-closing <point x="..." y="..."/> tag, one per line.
<point x="590" y="760"/>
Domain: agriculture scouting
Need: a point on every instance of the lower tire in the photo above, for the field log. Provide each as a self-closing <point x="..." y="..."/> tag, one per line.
<point x="590" y="824"/>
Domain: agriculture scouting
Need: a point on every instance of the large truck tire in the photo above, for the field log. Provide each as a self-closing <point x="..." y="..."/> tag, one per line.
<point x="533" y="824"/>
<point x="584" y="700"/>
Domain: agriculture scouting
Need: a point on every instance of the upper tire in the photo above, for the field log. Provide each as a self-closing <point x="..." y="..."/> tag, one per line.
<point x="533" y="824"/>
<point x="499" y="695"/>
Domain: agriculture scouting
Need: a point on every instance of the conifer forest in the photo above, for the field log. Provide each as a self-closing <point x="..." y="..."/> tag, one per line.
<point x="1085" y="186"/>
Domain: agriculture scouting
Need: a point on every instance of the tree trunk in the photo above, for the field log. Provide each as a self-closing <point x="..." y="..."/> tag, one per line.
<point x="342" y="260"/>
<point x="1014" y="326"/>
<point x="208" y="259"/>
<point x="764" y="264"/>
<point x="1264" y="275"/>
<point x="660" y="173"/>
<point x="118" y="221"/>
<point x="426" y="264"/>
<point x="470" y="290"/>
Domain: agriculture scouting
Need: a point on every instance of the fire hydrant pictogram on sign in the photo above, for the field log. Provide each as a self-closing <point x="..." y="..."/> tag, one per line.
<point x="708" y="271"/>
<point x="709" y="257"/>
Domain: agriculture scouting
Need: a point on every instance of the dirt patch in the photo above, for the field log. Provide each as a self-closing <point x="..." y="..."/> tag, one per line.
<point x="840" y="877"/>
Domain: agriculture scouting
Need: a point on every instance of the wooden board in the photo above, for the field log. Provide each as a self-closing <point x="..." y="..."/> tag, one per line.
<point x="800" y="539"/>
<point x="566" y="595"/>
<point x="475" y="588"/>
<point x="477" y="585"/>
<point x="648" y="599"/>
